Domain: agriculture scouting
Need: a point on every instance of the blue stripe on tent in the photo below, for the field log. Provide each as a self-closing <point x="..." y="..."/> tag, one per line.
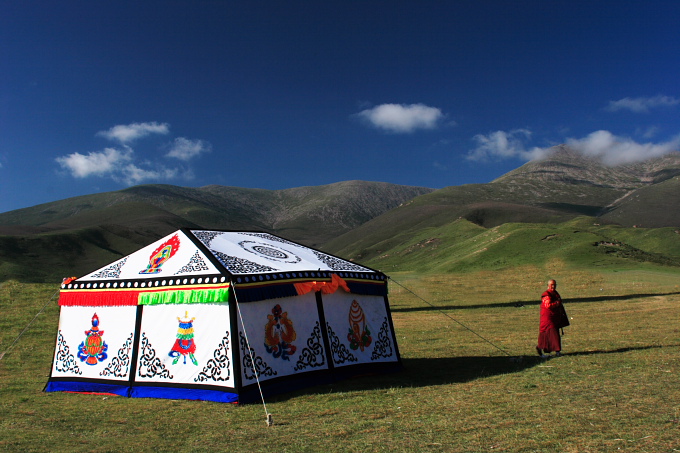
<point x="174" y="393"/>
<point x="265" y="292"/>
<point x="367" y="289"/>
<point x="178" y="393"/>
<point x="87" y="387"/>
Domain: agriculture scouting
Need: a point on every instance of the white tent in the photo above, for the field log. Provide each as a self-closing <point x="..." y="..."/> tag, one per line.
<point x="208" y="315"/>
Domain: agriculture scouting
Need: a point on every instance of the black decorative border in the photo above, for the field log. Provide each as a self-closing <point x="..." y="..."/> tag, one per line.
<point x="112" y="271"/>
<point x="253" y="363"/>
<point x="120" y="365"/>
<point x="65" y="361"/>
<point x="206" y="237"/>
<point x="150" y="365"/>
<point x="312" y="275"/>
<point x="195" y="264"/>
<point x="338" y="264"/>
<point x="154" y="283"/>
<point x="313" y="355"/>
<point x="237" y="265"/>
<point x="383" y="346"/>
<point x="340" y="352"/>
<point x="219" y="363"/>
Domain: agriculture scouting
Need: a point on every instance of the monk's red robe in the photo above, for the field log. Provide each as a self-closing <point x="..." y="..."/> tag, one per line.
<point x="553" y="318"/>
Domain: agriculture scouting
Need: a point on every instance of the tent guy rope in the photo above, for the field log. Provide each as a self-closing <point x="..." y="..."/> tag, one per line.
<point x="28" y="325"/>
<point x="452" y="318"/>
<point x="270" y="419"/>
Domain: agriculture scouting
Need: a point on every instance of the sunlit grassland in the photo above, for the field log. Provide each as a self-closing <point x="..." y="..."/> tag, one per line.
<point x="471" y="379"/>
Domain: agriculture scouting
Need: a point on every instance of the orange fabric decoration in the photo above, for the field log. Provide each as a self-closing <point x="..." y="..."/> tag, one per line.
<point x="325" y="287"/>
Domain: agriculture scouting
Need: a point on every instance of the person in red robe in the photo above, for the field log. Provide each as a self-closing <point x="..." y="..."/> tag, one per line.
<point x="553" y="318"/>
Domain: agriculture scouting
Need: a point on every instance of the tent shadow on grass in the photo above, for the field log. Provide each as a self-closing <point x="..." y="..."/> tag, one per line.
<point x="520" y="304"/>
<point x="446" y="371"/>
<point x="440" y="371"/>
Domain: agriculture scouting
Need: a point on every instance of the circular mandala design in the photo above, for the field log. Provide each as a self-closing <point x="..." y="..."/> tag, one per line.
<point x="270" y="252"/>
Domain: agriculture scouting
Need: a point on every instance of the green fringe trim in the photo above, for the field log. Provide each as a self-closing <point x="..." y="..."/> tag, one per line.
<point x="192" y="296"/>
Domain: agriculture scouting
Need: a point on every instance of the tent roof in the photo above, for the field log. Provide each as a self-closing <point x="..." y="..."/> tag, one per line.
<point x="200" y="257"/>
<point x="229" y="253"/>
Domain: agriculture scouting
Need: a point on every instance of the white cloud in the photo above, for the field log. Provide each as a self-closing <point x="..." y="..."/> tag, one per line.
<point x="185" y="149"/>
<point x="642" y="104"/>
<point x="649" y="132"/>
<point x="115" y="164"/>
<point x="602" y="145"/>
<point x="502" y="145"/>
<point x="400" y="118"/>
<point x="130" y="132"/>
<point x="614" y="150"/>
<point x="96" y="163"/>
<point x="123" y="166"/>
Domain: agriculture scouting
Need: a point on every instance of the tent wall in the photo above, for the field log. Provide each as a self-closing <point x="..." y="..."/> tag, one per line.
<point x="336" y="335"/>
<point x="287" y="343"/>
<point x="184" y="319"/>
<point x="139" y="355"/>
<point x="107" y="368"/>
<point x="359" y="329"/>
<point x="284" y="336"/>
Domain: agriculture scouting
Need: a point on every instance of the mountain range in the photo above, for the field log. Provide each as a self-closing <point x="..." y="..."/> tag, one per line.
<point x="355" y="219"/>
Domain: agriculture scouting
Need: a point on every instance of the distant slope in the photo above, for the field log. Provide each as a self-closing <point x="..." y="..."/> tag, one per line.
<point x="375" y="223"/>
<point x="654" y="205"/>
<point x="462" y="246"/>
<point x="564" y="186"/>
<point x="311" y="213"/>
<point x="76" y="235"/>
<point x="634" y="194"/>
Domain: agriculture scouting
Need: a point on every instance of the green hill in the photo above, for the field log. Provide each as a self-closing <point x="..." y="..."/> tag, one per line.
<point x="565" y="207"/>
<point x="74" y="236"/>
<point x="462" y="246"/>
<point x="540" y="195"/>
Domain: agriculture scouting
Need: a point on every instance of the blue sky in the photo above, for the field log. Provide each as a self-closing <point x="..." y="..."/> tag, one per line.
<point x="96" y="96"/>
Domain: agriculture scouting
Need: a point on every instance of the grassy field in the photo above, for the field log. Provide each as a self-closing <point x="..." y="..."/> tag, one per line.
<point x="471" y="383"/>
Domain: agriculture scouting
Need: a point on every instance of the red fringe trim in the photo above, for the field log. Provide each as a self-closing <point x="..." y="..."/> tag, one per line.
<point x="127" y="297"/>
<point x="99" y="298"/>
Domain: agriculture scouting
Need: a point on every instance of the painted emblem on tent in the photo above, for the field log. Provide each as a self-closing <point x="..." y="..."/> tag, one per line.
<point x="279" y="334"/>
<point x="270" y="252"/>
<point x="159" y="256"/>
<point x="359" y="335"/>
<point x="93" y="349"/>
<point x="184" y="343"/>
